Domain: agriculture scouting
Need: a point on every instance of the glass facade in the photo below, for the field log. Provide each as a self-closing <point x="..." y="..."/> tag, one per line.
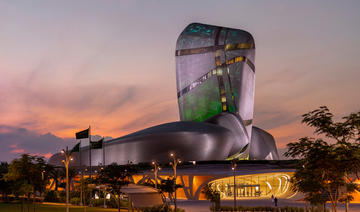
<point x="255" y="186"/>
<point x="202" y="102"/>
<point x="211" y="63"/>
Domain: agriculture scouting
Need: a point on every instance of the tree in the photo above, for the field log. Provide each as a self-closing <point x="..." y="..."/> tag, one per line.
<point x="5" y="187"/>
<point x="212" y="195"/>
<point x="114" y="177"/>
<point x="26" y="173"/>
<point x="329" y="165"/>
<point x="167" y="186"/>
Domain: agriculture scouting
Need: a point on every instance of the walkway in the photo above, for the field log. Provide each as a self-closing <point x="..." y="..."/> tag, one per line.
<point x="203" y="206"/>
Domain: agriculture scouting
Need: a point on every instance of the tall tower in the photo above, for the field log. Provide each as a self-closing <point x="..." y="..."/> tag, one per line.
<point x="215" y="74"/>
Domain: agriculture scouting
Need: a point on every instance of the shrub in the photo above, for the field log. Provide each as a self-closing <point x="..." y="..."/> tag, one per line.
<point x="111" y="203"/>
<point x="75" y="201"/>
<point x="74" y="194"/>
<point x="52" y="196"/>
<point x="62" y="196"/>
<point x="160" y="208"/>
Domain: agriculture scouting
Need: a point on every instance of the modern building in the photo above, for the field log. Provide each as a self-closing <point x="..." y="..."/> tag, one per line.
<point x="215" y="75"/>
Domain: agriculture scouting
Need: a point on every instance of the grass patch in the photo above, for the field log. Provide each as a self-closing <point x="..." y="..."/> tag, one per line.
<point x="12" y="207"/>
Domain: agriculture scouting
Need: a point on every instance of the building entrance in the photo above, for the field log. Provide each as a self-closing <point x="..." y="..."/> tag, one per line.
<point x="253" y="186"/>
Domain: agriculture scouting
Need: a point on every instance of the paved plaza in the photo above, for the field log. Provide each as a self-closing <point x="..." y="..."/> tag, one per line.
<point x="203" y="205"/>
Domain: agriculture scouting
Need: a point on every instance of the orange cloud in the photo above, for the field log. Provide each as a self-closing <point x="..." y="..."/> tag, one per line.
<point x="46" y="155"/>
<point x="18" y="151"/>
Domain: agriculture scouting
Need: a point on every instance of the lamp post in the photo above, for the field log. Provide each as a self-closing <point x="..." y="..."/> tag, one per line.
<point x="66" y="162"/>
<point x="156" y="170"/>
<point x="42" y="179"/>
<point x="174" y="164"/>
<point x="234" y="172"/>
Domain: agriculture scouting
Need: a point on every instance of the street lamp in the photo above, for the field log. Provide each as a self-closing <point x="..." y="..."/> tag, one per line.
<point x="234" y="172"/>
<point x="66" y="162"/>
<point x="156" y="170"/>
<point x="174" y="164"/>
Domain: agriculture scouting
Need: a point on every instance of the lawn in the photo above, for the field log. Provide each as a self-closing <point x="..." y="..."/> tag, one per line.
<point x="11" y="207"/>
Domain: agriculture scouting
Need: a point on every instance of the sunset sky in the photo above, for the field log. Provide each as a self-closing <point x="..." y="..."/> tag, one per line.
<point x="65" y="65"/>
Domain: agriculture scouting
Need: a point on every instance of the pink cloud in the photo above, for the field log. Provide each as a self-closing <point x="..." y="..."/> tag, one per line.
<point x="18" y="151"/>
<point x="14" y="146"/>
<point x="45" y="155"/>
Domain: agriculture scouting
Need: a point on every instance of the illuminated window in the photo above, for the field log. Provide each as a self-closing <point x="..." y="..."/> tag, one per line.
<point x="219" y="72"/>
<point x="230" y="61"/>
<point x="238" y="59"/>
<point x="223" y="99"/>
<point x="224" y="107"/>
<point x="217" y="53"/>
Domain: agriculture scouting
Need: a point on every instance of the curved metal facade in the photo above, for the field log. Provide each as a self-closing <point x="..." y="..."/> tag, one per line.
<point x="192" y="141"/>
<point x="263" y="146"/>
<point x="232" y="122"/>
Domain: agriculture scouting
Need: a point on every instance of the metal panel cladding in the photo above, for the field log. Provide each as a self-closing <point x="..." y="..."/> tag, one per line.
<point x="215" y="73"/>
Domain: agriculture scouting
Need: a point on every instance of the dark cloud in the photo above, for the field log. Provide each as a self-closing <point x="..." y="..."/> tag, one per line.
<point x="15" y="141"/>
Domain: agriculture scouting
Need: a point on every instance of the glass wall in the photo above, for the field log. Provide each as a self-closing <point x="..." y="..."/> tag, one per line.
<point x="207" y="59"/>
<point x="255" y="186"/>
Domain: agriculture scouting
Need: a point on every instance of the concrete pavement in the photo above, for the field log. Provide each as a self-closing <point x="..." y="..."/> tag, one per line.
<point x="204" y="205"/>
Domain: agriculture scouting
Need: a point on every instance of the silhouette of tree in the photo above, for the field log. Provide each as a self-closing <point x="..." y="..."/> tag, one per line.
<point x="114" y="177"/>
<point x="26" y="173"/>
<point x="328" y="165"/>
<point x="212" y="195"/>
<point x="5" y="187"/>
<point x="167" y="186"/>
